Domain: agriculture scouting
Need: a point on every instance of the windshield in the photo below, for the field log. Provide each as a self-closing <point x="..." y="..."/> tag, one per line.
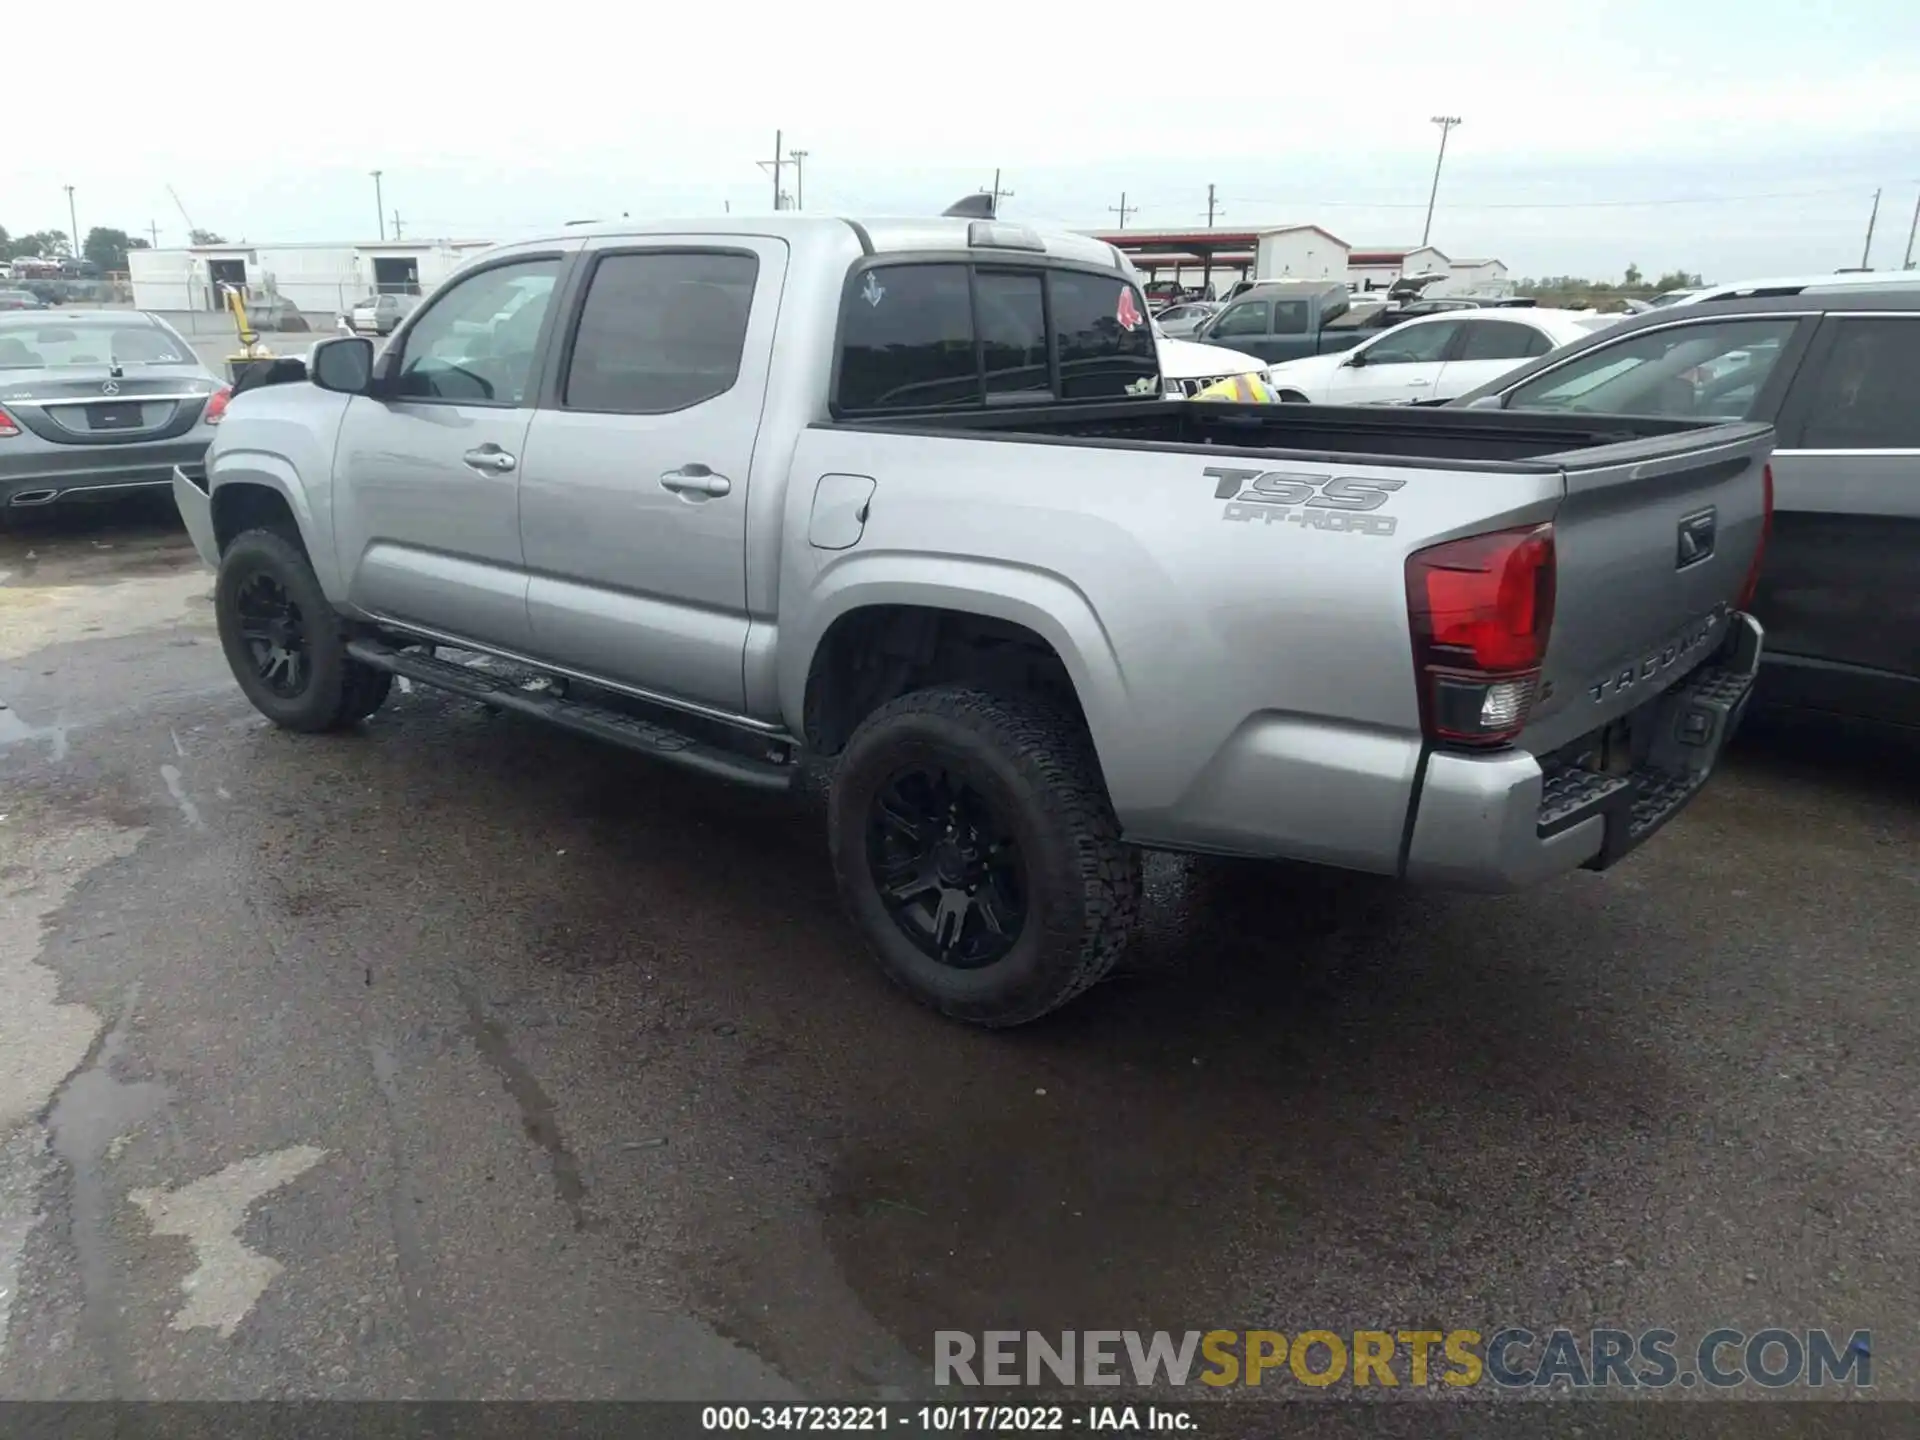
<point x="43" y="345"/>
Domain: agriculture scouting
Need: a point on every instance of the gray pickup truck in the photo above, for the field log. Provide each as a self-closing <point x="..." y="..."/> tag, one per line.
<point x="899" y="508"/>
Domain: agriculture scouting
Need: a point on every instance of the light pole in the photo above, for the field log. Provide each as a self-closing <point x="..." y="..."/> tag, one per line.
<point x="73" y="223"/>
<point x="1446" y="124"/>
<point x="1912" y="230"/>
<point x="379" y="205"/>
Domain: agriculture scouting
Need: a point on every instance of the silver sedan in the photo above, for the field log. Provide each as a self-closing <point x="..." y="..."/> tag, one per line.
<point x="95" y="403"/>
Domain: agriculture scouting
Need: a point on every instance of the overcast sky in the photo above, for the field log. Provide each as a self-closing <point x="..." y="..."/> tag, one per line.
<point x="1731" y="138"/>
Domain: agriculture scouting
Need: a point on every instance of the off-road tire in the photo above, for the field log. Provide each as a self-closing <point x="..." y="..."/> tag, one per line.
<point x="1035" y="763"/>
<point x="339" y="690"/>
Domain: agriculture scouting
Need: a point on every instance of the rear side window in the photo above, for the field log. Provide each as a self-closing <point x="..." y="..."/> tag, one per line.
<point x="1248" y="318"/>
<point x="1867" y="395"/>
<point x="1291" y="317"/>
<point x="661" y="332"/>
<point x="1502" y="340"/>
<point x="951" y="334"/>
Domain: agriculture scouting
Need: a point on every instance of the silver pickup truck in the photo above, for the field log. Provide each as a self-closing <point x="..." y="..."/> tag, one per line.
<point x="900" y="508"/>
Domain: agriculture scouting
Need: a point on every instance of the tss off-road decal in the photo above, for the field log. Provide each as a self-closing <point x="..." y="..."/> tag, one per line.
<point x="1318" y="502"/>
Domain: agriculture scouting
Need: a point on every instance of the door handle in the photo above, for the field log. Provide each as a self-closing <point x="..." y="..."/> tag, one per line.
<point x="1419" y="382"/>
<point x="695" y="480"/>
<point x="490" y="458"/>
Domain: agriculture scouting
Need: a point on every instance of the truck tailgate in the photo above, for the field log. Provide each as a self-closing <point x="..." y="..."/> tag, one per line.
<point x="1654" y="543"/>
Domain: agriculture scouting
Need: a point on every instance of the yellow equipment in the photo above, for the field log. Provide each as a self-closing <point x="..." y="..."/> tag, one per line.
<point x="1241" y="389"/>
<point x="251" y="351"/>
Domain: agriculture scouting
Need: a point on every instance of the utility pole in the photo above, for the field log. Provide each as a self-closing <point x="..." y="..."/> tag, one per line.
<point x="154" y="231"/>
<point x="996" y="194"/>
<point x="799" y="179"/>
<point x="1867" y="250"/>
<point x="1446" y="124"/>
<point x="379" y="205"/>
<point x="1123" y="209"/>
<point x="1912" y="229"/>
<point x="775" y="165"/>
<point x="74" y="223"/>
<point x="396" y="224"/>
<point x="1212" y="209"/>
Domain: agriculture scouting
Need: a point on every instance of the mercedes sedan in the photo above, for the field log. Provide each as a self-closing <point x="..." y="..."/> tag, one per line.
<point x="98" y="403"/>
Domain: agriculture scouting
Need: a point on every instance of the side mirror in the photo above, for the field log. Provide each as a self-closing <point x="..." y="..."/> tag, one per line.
<point x="343" y="365"/>
<point x="1357" y="360"/>
<point x="1488" y="402"/>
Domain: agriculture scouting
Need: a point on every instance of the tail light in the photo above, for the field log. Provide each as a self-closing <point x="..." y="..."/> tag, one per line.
<point x="9" y="427"/>
<point x="217" y="405"/>
<point x="1481" y="609"/>
<point x="1752" y="587"/>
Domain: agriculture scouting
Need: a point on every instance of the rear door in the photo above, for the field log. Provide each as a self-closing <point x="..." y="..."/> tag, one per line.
<point x="427" y="476"/>
<point x="633" y="503"/>
<point x="1842" y="580"/>
<point x="1402" y="365"/>
<point x="1485" y="350"/>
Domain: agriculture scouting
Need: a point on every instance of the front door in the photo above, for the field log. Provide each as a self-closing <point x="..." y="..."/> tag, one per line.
<point x="1839" y="584"/>
<point x="633" y="501"/>
<point x="427" y="507"/>
<point x="1402" y="365"/>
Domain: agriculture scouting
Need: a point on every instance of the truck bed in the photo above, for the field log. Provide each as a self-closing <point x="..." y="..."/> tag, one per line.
<point x="1465" y="439"/>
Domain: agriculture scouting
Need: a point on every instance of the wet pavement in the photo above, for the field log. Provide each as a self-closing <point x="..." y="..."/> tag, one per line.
<point x="453" y="1057"/>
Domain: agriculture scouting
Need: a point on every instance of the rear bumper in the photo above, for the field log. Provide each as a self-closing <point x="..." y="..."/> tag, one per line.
<point x="195" y="502"/>
<point x="1504" y="821"/>
<point x="97" y="473"/>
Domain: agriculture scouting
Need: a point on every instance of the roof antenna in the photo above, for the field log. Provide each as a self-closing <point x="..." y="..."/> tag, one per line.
<point x="978" y="206"/>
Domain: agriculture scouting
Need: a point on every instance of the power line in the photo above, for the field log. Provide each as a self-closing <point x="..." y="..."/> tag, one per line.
<point x="1549" y="204"/>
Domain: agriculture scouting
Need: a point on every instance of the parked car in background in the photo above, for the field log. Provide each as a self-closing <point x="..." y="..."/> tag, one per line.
<point x="276" y="313"/>
<point x="1430" y="357"/>
<point x="95" y="403"/>
<point x="1180" y="321"/>
<point x="21" y="300"/>
<point x="1843" y="282"/>
<point x="1286" y="319"/>
<point x="380" y="314"/>
<point x="1837" y="372"/>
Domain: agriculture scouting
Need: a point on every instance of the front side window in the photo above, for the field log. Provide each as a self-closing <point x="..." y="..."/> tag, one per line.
<point x="1711" y="370"/>
<point x="1247" y="318"/>
<point x="1502" y="340"/>
<point x="478" y="342"/>
<point x="1867" y="395"/>
<point x="1415" y="343"/>
<point x="660" y="332"/>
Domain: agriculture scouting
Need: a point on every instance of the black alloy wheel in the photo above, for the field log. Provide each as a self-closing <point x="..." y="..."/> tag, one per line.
<point x="275" y="634"/>
<point x="949" y="871"/>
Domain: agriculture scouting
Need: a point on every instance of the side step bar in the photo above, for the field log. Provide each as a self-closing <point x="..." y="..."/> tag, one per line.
<point x="596" y="721"/>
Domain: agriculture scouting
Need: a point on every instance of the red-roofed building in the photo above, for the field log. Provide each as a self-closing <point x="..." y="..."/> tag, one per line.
<point x="1220" y="256"/>
<point x="1377" y="267"/>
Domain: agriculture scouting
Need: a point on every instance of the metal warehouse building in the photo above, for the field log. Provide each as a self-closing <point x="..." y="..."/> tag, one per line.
<point x="320" y="279"/>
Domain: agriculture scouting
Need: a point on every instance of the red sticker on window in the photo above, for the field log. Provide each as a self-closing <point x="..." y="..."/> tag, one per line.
<point x="1126" y="312"/>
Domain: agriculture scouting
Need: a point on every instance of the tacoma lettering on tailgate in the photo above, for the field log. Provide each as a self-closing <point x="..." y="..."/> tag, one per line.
<point x="1317" y="502"/>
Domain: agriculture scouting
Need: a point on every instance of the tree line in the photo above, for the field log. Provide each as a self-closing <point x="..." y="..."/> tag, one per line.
<point x="1633" y="285"/>
<point x="104" y="246"/>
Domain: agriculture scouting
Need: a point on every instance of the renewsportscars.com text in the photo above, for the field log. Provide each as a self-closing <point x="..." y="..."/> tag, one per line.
<point x="1513" y="1357"/>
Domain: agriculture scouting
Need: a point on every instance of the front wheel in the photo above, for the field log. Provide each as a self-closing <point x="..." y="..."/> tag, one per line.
<point x="283" y="639"/>
<point x="976" y="849"/>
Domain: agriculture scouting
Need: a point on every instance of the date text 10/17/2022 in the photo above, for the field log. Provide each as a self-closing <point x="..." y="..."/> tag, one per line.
<point x="952" y="1419"/>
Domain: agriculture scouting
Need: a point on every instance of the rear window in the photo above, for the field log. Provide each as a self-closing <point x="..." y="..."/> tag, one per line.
<point x="950" y="334"/>
<point x="89" y="342"/>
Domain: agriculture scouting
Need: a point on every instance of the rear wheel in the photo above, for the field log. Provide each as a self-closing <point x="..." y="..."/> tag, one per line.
<point x="283" y="640"/>
<point x="1292" y="397"/>
<point x="975" y="848"/>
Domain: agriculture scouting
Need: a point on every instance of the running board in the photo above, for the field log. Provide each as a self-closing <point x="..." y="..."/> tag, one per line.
<point x="507" y="692"/>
